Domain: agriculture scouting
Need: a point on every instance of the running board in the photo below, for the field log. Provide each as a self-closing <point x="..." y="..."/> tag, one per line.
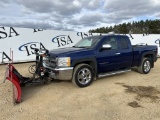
<point x="113" y="73"/>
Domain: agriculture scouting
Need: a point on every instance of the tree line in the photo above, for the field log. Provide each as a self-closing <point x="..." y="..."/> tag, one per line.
<point x="135" y="27"/>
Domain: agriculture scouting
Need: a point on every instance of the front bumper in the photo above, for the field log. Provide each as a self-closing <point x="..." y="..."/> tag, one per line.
<point x="59" y="73"/>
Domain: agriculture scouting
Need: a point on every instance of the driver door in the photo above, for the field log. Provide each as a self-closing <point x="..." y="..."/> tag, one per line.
<point x="108" y="60"/>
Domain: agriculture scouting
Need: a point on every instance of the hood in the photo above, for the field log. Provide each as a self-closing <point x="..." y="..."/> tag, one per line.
<point x="65" y="51"/>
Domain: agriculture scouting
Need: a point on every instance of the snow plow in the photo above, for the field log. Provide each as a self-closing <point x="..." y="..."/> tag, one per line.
<point x="19" y="81"/>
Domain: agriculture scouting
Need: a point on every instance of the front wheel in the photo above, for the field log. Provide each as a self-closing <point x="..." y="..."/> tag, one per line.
<point x="145" y="66"/>
<point x="83" y="75"/>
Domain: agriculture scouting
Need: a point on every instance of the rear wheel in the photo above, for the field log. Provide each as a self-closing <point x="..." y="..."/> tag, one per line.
<point x="145" y="66"/>
<point x="82" y="75"/>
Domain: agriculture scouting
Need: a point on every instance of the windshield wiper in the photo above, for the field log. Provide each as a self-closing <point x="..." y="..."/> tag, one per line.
<point x="80" y="47"/>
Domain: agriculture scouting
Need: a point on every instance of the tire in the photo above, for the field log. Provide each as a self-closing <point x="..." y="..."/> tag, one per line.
<point x="145" y="66"/>
<point x="83" y="75"/>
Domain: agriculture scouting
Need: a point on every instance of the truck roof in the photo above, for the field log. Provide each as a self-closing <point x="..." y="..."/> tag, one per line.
<point x="111" y="35"/>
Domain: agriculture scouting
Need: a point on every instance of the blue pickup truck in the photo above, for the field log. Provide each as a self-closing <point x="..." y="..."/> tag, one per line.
<point x="98" y="56"/>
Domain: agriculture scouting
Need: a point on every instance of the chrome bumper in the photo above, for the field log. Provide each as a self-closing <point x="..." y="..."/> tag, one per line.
<point x="60" y="73"/>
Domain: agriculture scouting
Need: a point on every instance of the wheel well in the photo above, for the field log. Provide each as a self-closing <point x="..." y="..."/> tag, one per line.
<point x="91" y="63"/>
<point x="150" y="56"/>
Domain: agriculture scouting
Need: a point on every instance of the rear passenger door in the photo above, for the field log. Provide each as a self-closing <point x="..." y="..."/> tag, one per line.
<point x="125" y="52"/>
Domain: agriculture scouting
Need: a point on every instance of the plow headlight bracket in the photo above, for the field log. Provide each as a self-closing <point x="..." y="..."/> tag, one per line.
<point x="64" y="62"/>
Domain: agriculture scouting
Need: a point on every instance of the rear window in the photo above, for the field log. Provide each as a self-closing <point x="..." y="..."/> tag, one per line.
<point x="124" y="43"/>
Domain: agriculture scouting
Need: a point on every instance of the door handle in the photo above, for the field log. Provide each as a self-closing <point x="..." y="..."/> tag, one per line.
<point x="117" y="53"/>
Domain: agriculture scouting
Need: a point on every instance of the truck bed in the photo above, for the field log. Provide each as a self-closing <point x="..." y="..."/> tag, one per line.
<point x="140" y="50"/>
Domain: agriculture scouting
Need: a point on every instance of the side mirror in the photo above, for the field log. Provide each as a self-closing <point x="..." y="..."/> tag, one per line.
<point x="106" y="47"/>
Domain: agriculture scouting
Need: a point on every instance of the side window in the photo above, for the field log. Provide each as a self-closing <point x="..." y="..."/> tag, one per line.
<point x="124" y="43"/>
<point x="112" y="41"/>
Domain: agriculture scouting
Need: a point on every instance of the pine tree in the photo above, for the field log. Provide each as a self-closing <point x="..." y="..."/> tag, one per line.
<point x="135" y="27"/>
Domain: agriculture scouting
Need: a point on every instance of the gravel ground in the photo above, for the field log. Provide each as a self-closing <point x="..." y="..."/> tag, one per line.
<point x="128" y="96"/>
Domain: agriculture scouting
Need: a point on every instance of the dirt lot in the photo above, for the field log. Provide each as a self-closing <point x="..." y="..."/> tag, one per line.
<point x="129" y="96"/>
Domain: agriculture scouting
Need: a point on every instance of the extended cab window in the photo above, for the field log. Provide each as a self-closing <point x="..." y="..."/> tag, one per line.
<point x="124" y="43"/>
<point x="112" y="41"/>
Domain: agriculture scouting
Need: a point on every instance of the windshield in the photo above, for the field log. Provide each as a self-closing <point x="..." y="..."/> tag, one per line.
<point x="88" y="42"/>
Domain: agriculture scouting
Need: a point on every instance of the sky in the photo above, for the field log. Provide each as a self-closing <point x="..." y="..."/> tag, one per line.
<point x="75" y="15"/>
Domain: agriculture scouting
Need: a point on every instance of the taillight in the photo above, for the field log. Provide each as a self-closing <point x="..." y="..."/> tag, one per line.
<point x="156" y="52"/>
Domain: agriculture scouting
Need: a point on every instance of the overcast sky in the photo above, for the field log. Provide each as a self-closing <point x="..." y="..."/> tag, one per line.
<point x="75" y="15"/>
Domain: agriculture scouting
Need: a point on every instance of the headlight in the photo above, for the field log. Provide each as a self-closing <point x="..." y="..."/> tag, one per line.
<point x="64" y="61"/>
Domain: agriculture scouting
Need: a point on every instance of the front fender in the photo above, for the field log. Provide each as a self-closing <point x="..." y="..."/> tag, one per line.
<point x="88" y="60"/>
